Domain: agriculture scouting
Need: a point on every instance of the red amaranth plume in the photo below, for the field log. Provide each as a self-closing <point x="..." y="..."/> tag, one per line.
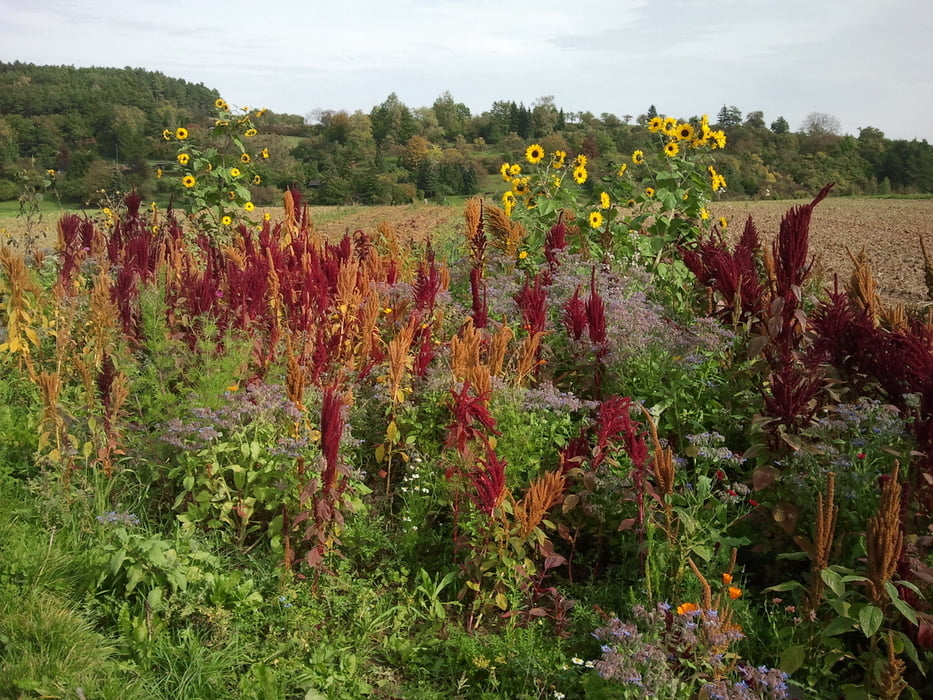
<point x="791" y="248"/>
<point x="532" y="302"/>
<point x="488" y="479"/>
<point x="596" y="313"/>
<point x="428" y="281"/>
<point x="332" y="425"/>
<point x="468" y="409"/>
<point x="555" y="241"/>
<point x="574" y="318"/>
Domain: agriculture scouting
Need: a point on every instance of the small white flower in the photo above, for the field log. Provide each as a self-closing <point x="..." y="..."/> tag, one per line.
<point x="577" y="660"/>
<point x="559" y="695"/>
<point x="590" y="664"/>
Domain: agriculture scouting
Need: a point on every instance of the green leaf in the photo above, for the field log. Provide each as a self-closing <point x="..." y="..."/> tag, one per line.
<point x="870" y="619"/>
<point x="904" y="609"/>
<point x="792" y="658"/>
<point x="786" y="586"/>
<point x="834" y="581"/>
<point x="837" y="626"/>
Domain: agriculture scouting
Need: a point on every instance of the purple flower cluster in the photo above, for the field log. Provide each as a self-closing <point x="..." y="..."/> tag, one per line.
<point x="115" y="518"/>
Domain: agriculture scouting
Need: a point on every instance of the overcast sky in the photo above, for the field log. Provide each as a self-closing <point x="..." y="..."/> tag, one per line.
<point x="866" y="62"/>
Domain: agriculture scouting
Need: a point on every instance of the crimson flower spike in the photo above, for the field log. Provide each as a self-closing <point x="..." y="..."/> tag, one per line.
<point x="791" y="248"/>
<point x="532" y="302"/>
<point x="332" y="424"/>
<point x="596" y="313"/>
<point x="575" y="315"/>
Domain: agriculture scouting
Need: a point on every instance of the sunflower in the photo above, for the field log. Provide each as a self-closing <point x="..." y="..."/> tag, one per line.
<point x="183" y="158"/>
<point x="669" y="126"/>
<point x="188" y="181"/>
<point x="250" y="133"/>
<point x="580" y="174"/>
<point x="267" y="217"/>
<point x="181" y="133"/>
<point x="231" y="195"/>
<point x="221" y="122"/>
<point x="249" y="206"/>
<point x="508" y="203"/>
<point x="560" y="157"/>
<point x="226" y="221"/>
<point x="719" y="137"/>
<point x="557" y="180"/>
<point x="580" y="161"/>
<point x="523" y="255"/>
<point x="622" y="169"/>
<point x="158" y="173"/>
<point x="654" y="125"/>
<point x="166" y="134"/>
<point x="265" y="152"/>
<point x="221" y="104"/>
<point x="718" y="182"/>
<point x="504" y="172"/>
<point x="685" y="132"/>
<point x="261" y="111"/>
<point x="244" y="158"/>
<point x="723" y="223"/>
<point x="649" y="191"/>
<point x="638" y="157"/>
<point x="604" y="200"/>
<point x="256" y="179"/>
<point x="671" y="149"/>
<point x="515" y="169"/>
<point x="596" y="219"/>
<point x="534" y="153"/>
<point x="234" y="172"/>
<point x="704" y="214"/>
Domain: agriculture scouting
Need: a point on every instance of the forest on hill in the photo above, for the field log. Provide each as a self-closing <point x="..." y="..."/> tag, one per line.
<point x="93" y="129"/>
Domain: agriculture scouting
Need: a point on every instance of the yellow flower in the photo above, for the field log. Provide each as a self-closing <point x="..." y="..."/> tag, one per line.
<point x="267" y="217"/>
<point x="556" y="181"/>
<point x="231" y="195"/>
<point x="226" y="221"/>
<point x="580" y="174"/>
<point x="233" y="387"/>
<point x="596" y="219"/>
<point x="685" y="132"/>
<point x="580" y="161"/>
<point x="669" y="126"/>
<point x="604" y="200"/>
<point x="244" y="158"/>
<point x="181" y="133"/>
<point x="50" y="172"/>
<point x="106" y="211"/>
<point x="515" y="169"/>
<point x="221" y="104"/>
<point x="622" y="169"/>
<point x="188" y="181"/>
<point x="649" y="191"/>
<point x="508" y="202"/>
<point x="734" y="592"/>
<point x="654" y="124"/>
<point x="671" y="149"/>
<point x="256" y="179"/>
<point x="720" y="138"/>
<point x="183" y="158"/>
<point x="722" y="222"/>
<point x="719" y="183"/>
<point x="560" y="158"/>
<point x="166" y="134"/>
<point x="261" y="112"/>
<point x="249" y="206"/>
<point x="520" y="186"/>
<point x="504" y="172"/>
<point x="534" y="153"/>
<point x="250" y="133"/>
<point x="158" y="173"/>
<point x="154" y="228"/>
<point x="221" y="122"/>
<point x="265" y="152"/>
<point x="704" y="213"/>
<point x="687" y="608"/>
<point x="638" y="157"/>
<point x="523" y="255"/>
<point x="234" y="172"/>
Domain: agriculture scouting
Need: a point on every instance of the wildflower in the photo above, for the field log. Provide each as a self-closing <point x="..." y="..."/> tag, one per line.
<point x="235" y="387"/>
<point x="534" y="153"/>
<point x="226" y="221"/>
<point x="734" y="592"/>
<point x="685" y="132"/>
<point x="221" y="103"/>
<point x="753" y="503"/>
<point x="250" y="133"/>
<point x="687" y="608"/>
<point x="221" y="122"/>
<point x="265" y="152"/>
<point x="580" y="161"/>
<point x="504" y="172"/>
<point x="726" y="579"/>
<point x="267" y="217"/>
<point x="183" y="158"/>
<point x="256" y="179"/>
<point x="261" y="112"/>
<point x="508" y="200"/>
<point x="622" y="169"/>
<point x="188" y="181"/>
<point x="523" y="255"/>
<point x="596" y="219"/>
<point x="558" y="695"/>
<point x="181" y="133"/>
<point x="719" y="137"/>
<point x="387" y="310"/>
<point x="158" y="173"/>
<point x="249" y="206"/>
<point x="166" y="134"/>
<point x="669" y="126"/>
<point x="722" y="222"/>
<point x="234" y="172"/>
<point x="577" y="661"/>
<point x="244" y="158"/>
<point x="231" y="195"/>
<point x="520" y="185"/>
<point x="654" y="124"/>
<point x="556" y="181"/>
<point x="580" y="174"/>
<point x="671" y="149"/>
<point x="604" y="200"/>
<point x="50" y="172"/>
<point x="638" y="157"/>
<point x="860" y="455"/>
<point x="515" y="169"/>
<point x="649" y="191"/>
<point x="719" y="183"/>
<point x="560" y="158"/>
<point x="704" y="213"/>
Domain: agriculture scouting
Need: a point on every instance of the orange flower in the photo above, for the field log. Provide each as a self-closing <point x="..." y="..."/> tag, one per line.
<point x="726" y="579"/>
<point x="687" y="608"/>
<point x="734" y="592"/>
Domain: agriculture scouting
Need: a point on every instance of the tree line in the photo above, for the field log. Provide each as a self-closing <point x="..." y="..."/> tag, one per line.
<point x="99" y="129"/>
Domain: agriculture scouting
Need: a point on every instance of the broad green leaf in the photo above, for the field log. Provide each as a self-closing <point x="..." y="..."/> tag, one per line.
<point x="833" y="580"/>
<point x="792" y="658"/>
<point x="837" y="626"/>
<point x="870" y="619"/>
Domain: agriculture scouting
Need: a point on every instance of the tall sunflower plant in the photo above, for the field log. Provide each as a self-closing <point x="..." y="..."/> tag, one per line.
<point x="637" y="210"/>
<point x="212" y="175"/>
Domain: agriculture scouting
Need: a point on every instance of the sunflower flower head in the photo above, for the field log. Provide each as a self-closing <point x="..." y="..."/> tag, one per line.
<point x="649" y="192"/>
<point x="671" y="149"/>
<point x="604" y="200"/>
<point x="221" y="104"/>
<point x="256" y="179"/>
<point x="595" y="219"/>
<point x="181" y="133"/>
<point x="249" y="206"/>
<point x="580" y="161"/>
<point x="226" y="220"/>
<point x="504" y="172"/>
<point x="669" y="126"/>
<point x="183" y="158"/>
<point x="654" y="124"/>
<point x="622" y="169"/>
<point x="265" y="152"/>
<point x="515" y="169"/>
<point x="166" y="134"/>
<point x="250" y="133"/>
<point x="560" y="158"/>
<point x="638" y="157"/>
<point x="188" y="181"/>
<point x="534" y="153"/>
<point x="520" y="186"/>
<point x="723" y="223"/>
<point x="685" y="132"/>
<point x="580" y="174"/>
<point x="244" y="158"/>
<point x="235" y="172"/>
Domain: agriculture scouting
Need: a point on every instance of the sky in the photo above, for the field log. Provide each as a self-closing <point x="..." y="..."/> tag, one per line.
<point x="865" y="62"/>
